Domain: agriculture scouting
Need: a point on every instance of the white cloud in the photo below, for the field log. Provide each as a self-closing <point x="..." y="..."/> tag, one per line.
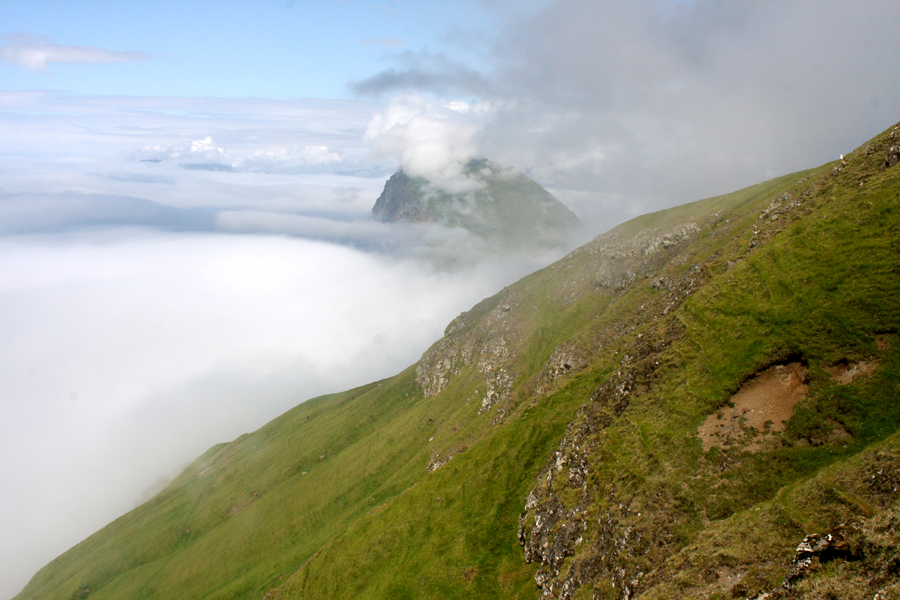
<point x="430" y="139"/>
<point x="34" y="52"/>
<point x="278" y="159"/>
<point x="83" y="156"/>
<point x="667" y="100"/>
<point x="204" y="145"/>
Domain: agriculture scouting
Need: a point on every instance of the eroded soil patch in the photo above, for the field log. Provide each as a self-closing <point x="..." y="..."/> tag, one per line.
<point x="762" y="406"/>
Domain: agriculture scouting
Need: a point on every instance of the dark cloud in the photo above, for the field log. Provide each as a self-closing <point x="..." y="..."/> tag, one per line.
<point x="427" y="72"/>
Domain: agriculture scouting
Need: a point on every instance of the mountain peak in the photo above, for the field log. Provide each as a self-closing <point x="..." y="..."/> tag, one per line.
<point x="497" y="203"/>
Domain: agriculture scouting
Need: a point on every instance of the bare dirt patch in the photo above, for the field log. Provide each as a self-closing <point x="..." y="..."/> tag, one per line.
<point x="762" y="406"/>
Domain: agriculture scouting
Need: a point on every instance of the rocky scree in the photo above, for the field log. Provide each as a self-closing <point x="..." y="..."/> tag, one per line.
<point x="551" y="530"/>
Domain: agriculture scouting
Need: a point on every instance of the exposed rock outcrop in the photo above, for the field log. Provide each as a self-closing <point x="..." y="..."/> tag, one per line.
<point x="624" y="259"/>
<point x="486" y="336"/>
<point x="569" y="357"/>
<point x="816" y="549"/>
<point x="586" y="526"/>
<point x="893" y="156"/>
<point x="550" y="532"/>
<point x="867" y="550"/>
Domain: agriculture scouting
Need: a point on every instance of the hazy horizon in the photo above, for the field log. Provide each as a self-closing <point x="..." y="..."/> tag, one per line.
<point x="186" y="244"/>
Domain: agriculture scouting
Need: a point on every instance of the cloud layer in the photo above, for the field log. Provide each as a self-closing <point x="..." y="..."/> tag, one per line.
<point x="429" y="139"/>
<point x="668" y="101"/>
<point x="126" y="354"/>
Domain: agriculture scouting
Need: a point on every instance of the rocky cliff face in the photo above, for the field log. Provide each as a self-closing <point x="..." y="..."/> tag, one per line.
<point x="401" y="202"/>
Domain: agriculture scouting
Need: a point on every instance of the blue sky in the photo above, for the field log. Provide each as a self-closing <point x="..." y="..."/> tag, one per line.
<point x="186" y="241"/>
<point x="270" y="49"/>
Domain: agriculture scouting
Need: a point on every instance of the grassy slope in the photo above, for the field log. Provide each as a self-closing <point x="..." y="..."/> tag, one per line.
<point x="368" y="520"/>
<point x="249" y="511"/>
<point x="822" y="285"/>
<point x="826" y="288"/>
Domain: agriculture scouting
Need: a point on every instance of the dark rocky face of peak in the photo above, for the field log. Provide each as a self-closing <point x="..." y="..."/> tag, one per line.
<point x="400" y="201"/>
<point x="499" y="204"/>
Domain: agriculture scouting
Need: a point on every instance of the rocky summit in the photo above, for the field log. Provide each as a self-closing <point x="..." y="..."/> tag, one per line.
<point x="498" y="204"/>
<point x="703" y="402"/>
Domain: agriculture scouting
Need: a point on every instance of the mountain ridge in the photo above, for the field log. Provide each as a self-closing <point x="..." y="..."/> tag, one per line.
<point x="552" y="436"/>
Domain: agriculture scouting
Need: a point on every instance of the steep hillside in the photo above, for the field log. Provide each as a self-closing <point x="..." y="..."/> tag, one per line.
<point x="667" y="412"/>
<point x="500" y="205"/>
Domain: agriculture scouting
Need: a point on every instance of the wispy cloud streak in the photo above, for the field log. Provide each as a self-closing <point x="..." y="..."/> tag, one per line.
<point x="35" y="52"/>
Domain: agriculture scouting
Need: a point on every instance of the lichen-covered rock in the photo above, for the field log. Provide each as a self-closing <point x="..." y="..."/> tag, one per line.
<point x="546" y="536"/>
<point x="489" y="335"/>
<point x="442" y="363"/>
<point x="867" y="552"/>
<point x="553" y="530"/>
<point x="486" y="337"/>
<point x="816" y="549"/>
